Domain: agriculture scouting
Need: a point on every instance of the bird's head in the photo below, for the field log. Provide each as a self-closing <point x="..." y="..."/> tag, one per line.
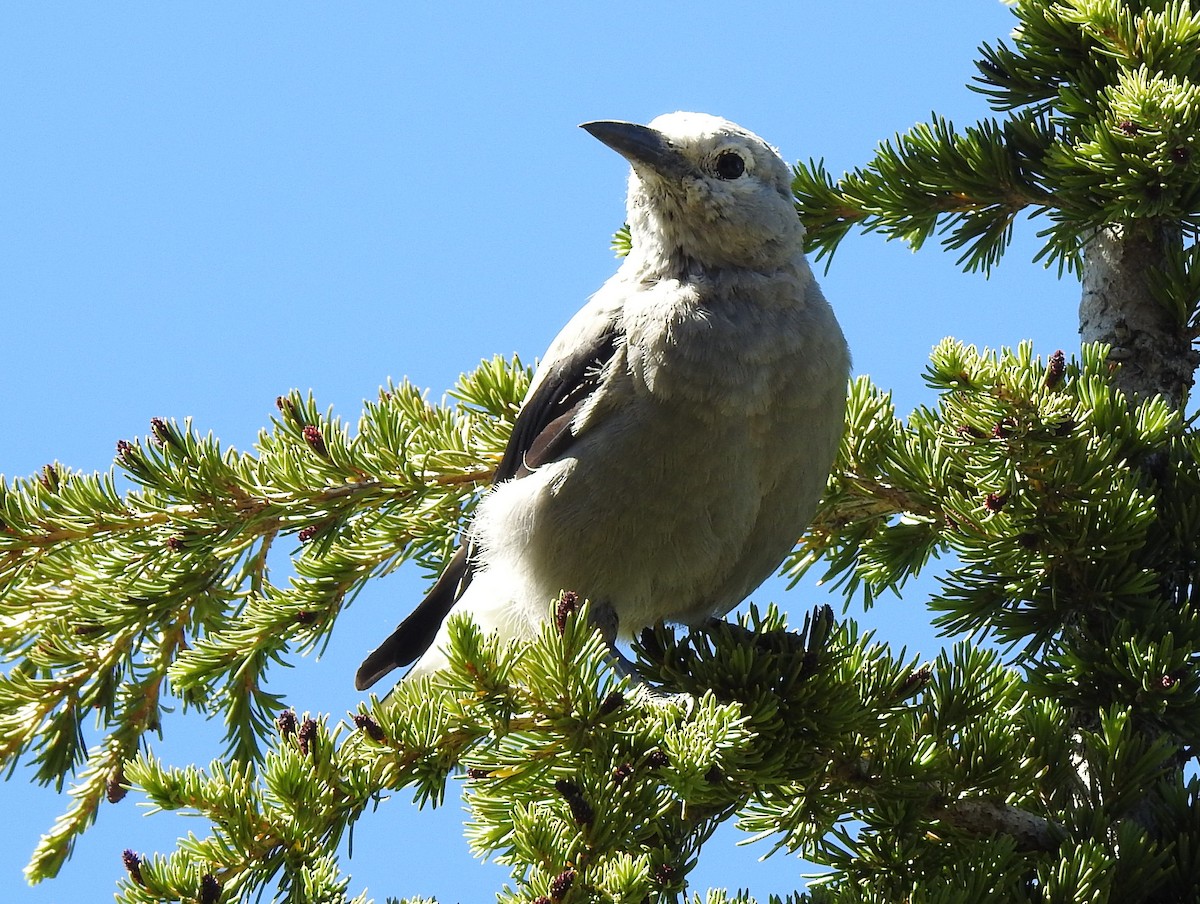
<point x="705" y="192"/>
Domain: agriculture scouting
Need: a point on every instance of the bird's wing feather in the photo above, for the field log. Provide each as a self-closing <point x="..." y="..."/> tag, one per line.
<point x="542" y="433"/>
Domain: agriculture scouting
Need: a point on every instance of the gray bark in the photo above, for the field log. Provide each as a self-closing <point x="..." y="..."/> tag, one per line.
<point x="985" y="818"/>
<point x="1119" y="307"/>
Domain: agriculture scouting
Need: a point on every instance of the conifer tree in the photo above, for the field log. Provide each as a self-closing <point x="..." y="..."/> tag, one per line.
<point x="1047" y="755"/>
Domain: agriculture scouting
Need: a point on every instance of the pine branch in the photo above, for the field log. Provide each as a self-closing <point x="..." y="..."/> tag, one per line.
<point x="981" y="818"/>
<point x="1103" y="111"/>
<point x="969" y="185"/>
<point x="1002" y="473"/>
<point x="578" y="783"/>
<point x="1072" y="514"/>
<point x="115" y="600"/>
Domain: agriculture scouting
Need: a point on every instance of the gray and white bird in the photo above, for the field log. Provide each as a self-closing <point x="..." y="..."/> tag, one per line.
<point x="679" y="431"/>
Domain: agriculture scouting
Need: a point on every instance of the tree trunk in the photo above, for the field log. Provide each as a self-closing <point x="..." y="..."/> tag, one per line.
<point x="1119" y="307"/>
<point x="1153" y="349"/>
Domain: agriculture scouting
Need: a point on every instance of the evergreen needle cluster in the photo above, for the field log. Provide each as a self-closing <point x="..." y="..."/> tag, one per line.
<point x="1101" y="128"/>
<point x="117" y="604"/>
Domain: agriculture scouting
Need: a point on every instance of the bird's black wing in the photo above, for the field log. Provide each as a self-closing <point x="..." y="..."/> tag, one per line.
<point x="542" y="433"/>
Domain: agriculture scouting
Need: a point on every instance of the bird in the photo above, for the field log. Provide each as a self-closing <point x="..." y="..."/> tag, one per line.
<point x="679" y="432"/>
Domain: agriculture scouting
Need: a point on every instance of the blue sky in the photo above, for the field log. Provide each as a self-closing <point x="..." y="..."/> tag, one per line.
<point x="205" y="206"/>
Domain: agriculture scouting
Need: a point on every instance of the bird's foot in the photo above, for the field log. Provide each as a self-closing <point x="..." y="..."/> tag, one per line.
<point x="604" y="618"/>
<point x="642" y="690"/>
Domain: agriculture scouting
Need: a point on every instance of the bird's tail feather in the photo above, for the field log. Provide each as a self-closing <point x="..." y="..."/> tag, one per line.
<point x="414" y="635"/>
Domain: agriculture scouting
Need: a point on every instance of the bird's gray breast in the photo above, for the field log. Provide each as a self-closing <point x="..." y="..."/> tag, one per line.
<point x="725" y="349"/>
<point x="698" y="461"/>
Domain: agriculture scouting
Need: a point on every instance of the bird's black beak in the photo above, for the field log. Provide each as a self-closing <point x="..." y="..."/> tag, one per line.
<point x="640" y="145"/>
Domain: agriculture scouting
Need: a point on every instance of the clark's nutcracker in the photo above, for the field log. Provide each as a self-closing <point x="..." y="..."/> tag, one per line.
<point x="679" y="431"/>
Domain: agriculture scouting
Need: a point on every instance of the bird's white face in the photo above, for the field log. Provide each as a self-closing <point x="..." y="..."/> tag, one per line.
<point x="729" y="205"/>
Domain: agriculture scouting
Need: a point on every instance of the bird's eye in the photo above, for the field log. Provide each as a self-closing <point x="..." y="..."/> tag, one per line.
<point x="730" y="165"/>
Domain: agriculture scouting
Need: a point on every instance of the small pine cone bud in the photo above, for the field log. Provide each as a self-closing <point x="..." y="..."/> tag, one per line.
<point x="581" y="810"/>
<point x="561" y="884"/>
<point x="175" y="543"/>
<point x="968" y="431"/>
<point x="316" y="442"/>
<point x="368" y="726"/>
<point x="286" y="723"/>
<point x="1166" y="682"/>
<point x="1055" y="368"/>
<point x="666" y="875"/>
<point x="305" y="617"/>
<point x="915" y="680"/>
<point x="210" y="889"/>
<point x="566" y="607"/>
<point x="284" y="404"/>
<point x="114" y="787"/>
<point x="476" y="772"/>
<point x="541" y="899"/>
<point x="162" y="433"/>
<point x="307" y="736"/>
<point x="124" y="449"/>
<point x="610" y="704"/>
<point x="1004" y="429"/>
<point x="1129" y="127"/>
<point x="133" y="865"/>
<point x="307" y="533"/>
<point x="657" y="759"/>
<point x="993" y="502"/>
<point x="49" y="478"/>
<point x="621" y="773"/>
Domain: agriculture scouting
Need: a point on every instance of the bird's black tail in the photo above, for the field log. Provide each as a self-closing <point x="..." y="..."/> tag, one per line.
<point x="414" y="635"/>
